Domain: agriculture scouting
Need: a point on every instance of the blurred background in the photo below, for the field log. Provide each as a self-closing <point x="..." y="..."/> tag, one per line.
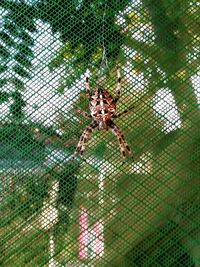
<point x="94" y="210"/>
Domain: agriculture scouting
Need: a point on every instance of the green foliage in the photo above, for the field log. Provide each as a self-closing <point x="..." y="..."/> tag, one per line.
<point x="24" y="49"/>
<point x="7" y="39"/>
<point x="92" y="27"/>
<point x="16" y="41"/>
<point x="163" y="24"/>
<point x="163" y="254"/>
<point x="3" y="97"/>
<point x="29" y="199"/>
<point x="4" y="54"/>
<point x="17" y="142"/>
<point x="20" y="71"/>
<point x="86" y="22"/>
<point x="68" y="181"/>
<point x="3" y="68"/>
<point x="100" y="150"/>
<point x="16" y="108"/>
<point x="23" y="60"/>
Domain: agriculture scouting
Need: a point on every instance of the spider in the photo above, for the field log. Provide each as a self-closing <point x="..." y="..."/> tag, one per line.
<point x="103" y="111"/>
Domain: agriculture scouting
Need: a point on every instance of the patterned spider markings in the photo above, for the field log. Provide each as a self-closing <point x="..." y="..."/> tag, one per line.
<point x="103" y="110"/>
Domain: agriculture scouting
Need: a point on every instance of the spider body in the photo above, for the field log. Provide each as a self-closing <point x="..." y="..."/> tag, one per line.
<point x="103" y="111"/>
<point x="102" y="107"/>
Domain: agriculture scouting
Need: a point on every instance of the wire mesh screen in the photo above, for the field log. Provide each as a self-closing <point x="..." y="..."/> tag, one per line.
<point x="99" y="133"/>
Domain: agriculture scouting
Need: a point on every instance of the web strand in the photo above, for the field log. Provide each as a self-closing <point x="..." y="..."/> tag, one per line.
<point x="104" y="61"/>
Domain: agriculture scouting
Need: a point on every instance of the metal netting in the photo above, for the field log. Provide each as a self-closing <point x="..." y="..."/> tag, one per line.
<point x="61" y="208"/>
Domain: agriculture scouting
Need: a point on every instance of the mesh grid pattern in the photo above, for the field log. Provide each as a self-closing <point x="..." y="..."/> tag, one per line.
<point x="94" y="210"/>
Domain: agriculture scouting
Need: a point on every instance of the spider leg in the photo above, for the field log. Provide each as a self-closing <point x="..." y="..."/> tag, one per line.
<point x="122" y="113"/>
<point x="122" y="142"/>
<point x="118" y="88"/>
<point x="85" y="114"/>
<point x="84" y="138"/>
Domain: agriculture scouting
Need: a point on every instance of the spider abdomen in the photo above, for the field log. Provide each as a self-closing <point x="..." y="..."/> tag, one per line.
<point x="102" y="107"/>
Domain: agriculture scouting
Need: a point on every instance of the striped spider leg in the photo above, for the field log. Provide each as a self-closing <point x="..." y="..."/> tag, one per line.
<point x="118" y="88"/>
<point x="88" y="130"/>
<point x="84" y="138"/>
<point x="102" y="111"/>
<point x="122" y="142"/>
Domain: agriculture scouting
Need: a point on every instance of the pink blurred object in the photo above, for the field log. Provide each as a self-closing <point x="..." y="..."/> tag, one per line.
<point x="84" y="234"/>
<point x="99" y="243"/>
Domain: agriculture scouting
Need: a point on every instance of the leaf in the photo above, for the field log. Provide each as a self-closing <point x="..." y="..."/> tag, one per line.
<point x="12" y="29"/>
<point x="3" y="68"/>
<point x="7" y="39"/>
<point x="4" y="52"/>
<point x="55" y="63"/>
<point x="3" y="82"/>
<point x="4" y="97"/>
<point x="24" y="49"/>
<point x="72" y="78"/>
<point x="22" y="59"/>
<point x="61" y="88"/>
<point x="25" y="18"/>
<point x="59" y="59"/>
<point x="19" y="85"/>
<point x="27" y="39"/>
<point x="20" y="71"/>
<point x="16" y="109"/>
